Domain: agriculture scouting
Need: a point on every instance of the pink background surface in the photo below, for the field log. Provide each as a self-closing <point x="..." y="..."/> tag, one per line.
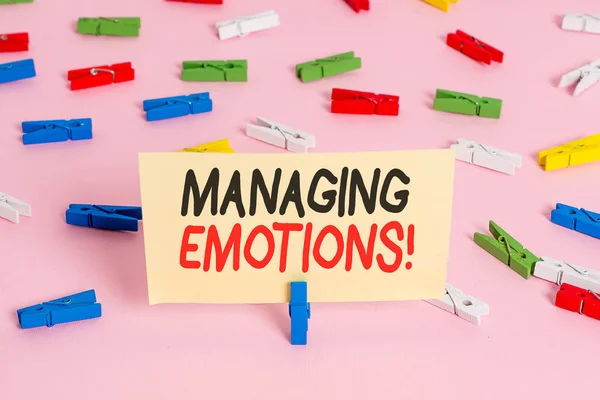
<point x="526" y="347"/>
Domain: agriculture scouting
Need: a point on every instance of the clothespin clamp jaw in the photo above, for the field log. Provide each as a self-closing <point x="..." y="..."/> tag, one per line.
<point x="279" y="135"/>
<point x="109" y="26"/>
<point x="329" y="66"/>
<point x="464" y="306"/>
<point x="243" y="26"/>
<point x="355" y="102"/>
<point x="560" y="272"/>
<point x="11" y="208"/>
<point x="468" y="104"/>
<point x="218" y="146"/>
<point x="507" y="250"/>
<point x="580" y="220"/>
<point x="86" y="78"/>
<point x="36" y="132"/>
<point x="115" y="218"/>
<point x="215" y="71"/>
<point x="579" y="300"/>
<point x="443" y="5"/>
<point x="358" y="5"/>
<point x="584" y="77"/>
<point x="299" y="310"/>
<point x="581" y="23"/>
<point x="178" y="106"/>
<point x="570" y="154"/>
<point x="486" y="156"/>
<point x="472" y="47"/>
<point x="77" y="307"/>
<point x="10" y="42"/>
<point x="17" y="70"/>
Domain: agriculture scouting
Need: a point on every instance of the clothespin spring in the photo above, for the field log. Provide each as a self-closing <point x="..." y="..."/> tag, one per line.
<point x="3" y="37"/>
<point x="284" y="132"/>
<point x="189" y="103"/>
<point x="95" y="71"/>
<point x="487" y="150"/>
<point x="68" y="129"/>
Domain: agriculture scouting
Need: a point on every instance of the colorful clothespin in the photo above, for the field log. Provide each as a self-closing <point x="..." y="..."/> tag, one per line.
<point x="474" y="48"/>
<point x="443" y="5"/>
<point x="506" y="249"/>
<point x="109" y="26"/>
<point x="358" y="5"/>
<point x="585" y="77"/>
<point x="560" y="272"/>
<point x="218" y="146"/>
<point x="15" y="1"/>
<point x="486" y="156"/>
<point x="17" y="70"/>
<point x="172" y="107"/>
<point x="465" y="306"/>
<point x="354" y="102"/>
<point x="77" y="307"/>
<point x="114" y="218"/>
<point x="579" y="220"/>
<point x="215" y="71"/>
<point x="279" y="135"/>
<point x="86" y="78"/>
<point x="244" y="25"/>
<point x="10" y="42"/>
<point x="299" y="310"/>
<point x="577" y="152"/>
<point x="58" y="130"/>
<point x="468" y="104"/>
<point x="578" y="300"/>
<point x="11" y="208"/>
<point x="200" y="1"/>
<point x="328" y="66"/>
<point x="581" y="23"/>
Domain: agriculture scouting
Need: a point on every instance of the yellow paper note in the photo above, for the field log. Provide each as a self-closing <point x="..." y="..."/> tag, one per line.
<point x="238" y="228"/>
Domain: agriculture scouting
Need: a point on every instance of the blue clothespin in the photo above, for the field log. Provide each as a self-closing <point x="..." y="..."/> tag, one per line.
<point x="76" y="307"/>
<point x="17" y="70"/>
<point x="580" y="220"/>
<point x="172" y="107"/>
<point x="58" y="130"/>
<point x="299" y="310"/>
<point x="115" y="218"/>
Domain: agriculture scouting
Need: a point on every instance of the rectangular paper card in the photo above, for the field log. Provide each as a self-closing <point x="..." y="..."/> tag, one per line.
<point x="238" y="228"/>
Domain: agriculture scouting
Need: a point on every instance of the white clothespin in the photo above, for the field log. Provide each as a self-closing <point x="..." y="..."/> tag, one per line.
<point x="487" y="157"/>
<point x="585" y="77"/>
<point x="241" y="26"/>
<point x="466" y="307"/>
<point x="10" y="208"/>
<point x="280" y="135"/>
<point x="581" y="22"/>
<point x="562" y="272"/>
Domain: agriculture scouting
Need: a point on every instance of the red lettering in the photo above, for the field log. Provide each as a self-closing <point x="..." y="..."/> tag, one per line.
<point x="306" y="247"/>
<point x="186" y="246"/>
<point x="285" y="239"/>
<point x="339" y="240"/>
<point x="366" y="256"/>
<point x="389" y="268"/>
<point x="221" y="255"/>
<point x="411" y="244"/>
<point x="260" y="229"/>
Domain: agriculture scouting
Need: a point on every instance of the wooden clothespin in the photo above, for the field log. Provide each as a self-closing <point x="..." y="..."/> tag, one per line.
<point x="358" y="5"/>
<point x="589" y="23"/>
<point x="474" y="48"/>
<point x="486" y="156"/>
<point x="577" y="152"/>
<point x="114" y="218"/>
<point x="244" y="25"/>
<point x="77" y="307"/>
<point x="11" y="208"/>
<point x="17" y="70"/>
<point x="579" y="300"/>
<point x="283" y="136"/>
<point x="467" y="104"/>
<point x="443" y="5"/>
<point x="215" y="71"/>
<point x="109" y="26"/>
<point x="560" y="272"/>
<point x="14" y="1"/>
<point x="579" y="220"/>
<point x="463" y="305"/>
<point x="11" y="42"/>
<point x="58" y="130"/>
<point x="178" y="106"/>
<point x="328" y="66"/>
<point x="101" y="75"/>
<point x="345" y="101"/>
<point x="584" y="77"/>
<point x="218" y="146"/>
<point x="299" y="310"/>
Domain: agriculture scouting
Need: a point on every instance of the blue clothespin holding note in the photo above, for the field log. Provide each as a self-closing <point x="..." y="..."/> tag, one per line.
<point x="580" y="220"/>
<point x="173" y="107"/>
<point x="299" y="310"/>
<point x="17" y="70"/>
<point x="77" y="307"/>
<point x="115" y="218"/>
<point x="59" y="130"/>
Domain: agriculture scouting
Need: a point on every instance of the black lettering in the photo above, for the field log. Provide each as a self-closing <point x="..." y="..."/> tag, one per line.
<point x="357" y="183"/>
<point x="401" y="195"/>
<point x="328" y="195"/>
<point x="234" y="193"/>
<point x="342" y="198"/>
<point x="292" y="194"/>
<point x="269" y="199"/>
<point x="191" y="185"/>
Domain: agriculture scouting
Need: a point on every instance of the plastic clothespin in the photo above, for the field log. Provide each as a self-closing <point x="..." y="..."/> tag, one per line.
<point x="589" y="23"/>
<point x="582" y="301"/>
<point x="328" y="66"/>
<point x="468" y="104"/>
<point x="77" y="307"/>
<point x="560" y="272"/>
<point x="215" y="71"/>
<point x="218" y="146"/>
<point x="443" y="5"/>
<point x="58" y="130"/>
<point x="11" y="208"/>
<point x="178" y="106"/>
<point x="358" y="5"/>
<point x="579" y="220"/>
<point x="115" y="218"/>
<point x="299" y="310"/>
<point x="17" y="70"/>
<point x="465" y="306"/>
<point x="109" y="26"/>
<point x="486" y="156"/>
<point x="354" y="102"/>
<point x="570" y="154"/>
<point x="507" y="250"/>
<point x="200" y="1"/>
<point x="244" y="25"/>
<point x="474" y="48"/>
<point x="86" y="78"/>
<point x="283" y="136"/>
<point x="15" y="1"/>
<point x="10" y="42"/>
<point x="584" y="77"/>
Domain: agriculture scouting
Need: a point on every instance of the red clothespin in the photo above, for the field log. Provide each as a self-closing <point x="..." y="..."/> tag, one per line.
<point x="200" y="1"/>
<point x="354" y="102"/>
<point x="580" y="300"/>
<point x="473" y="47"/>
<point x="102" y="75"/>
<point x="14" y="42"/>
<point x="358" y="5"/>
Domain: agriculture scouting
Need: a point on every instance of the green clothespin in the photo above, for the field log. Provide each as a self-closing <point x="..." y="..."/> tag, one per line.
<point x="506" y="249"/>
<point x="329" y="66"/>
<point x="464" y="103"/>
<point x="109" y="26"/>
<point x="15" y="1"/>
<point x="215" y="71"/>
